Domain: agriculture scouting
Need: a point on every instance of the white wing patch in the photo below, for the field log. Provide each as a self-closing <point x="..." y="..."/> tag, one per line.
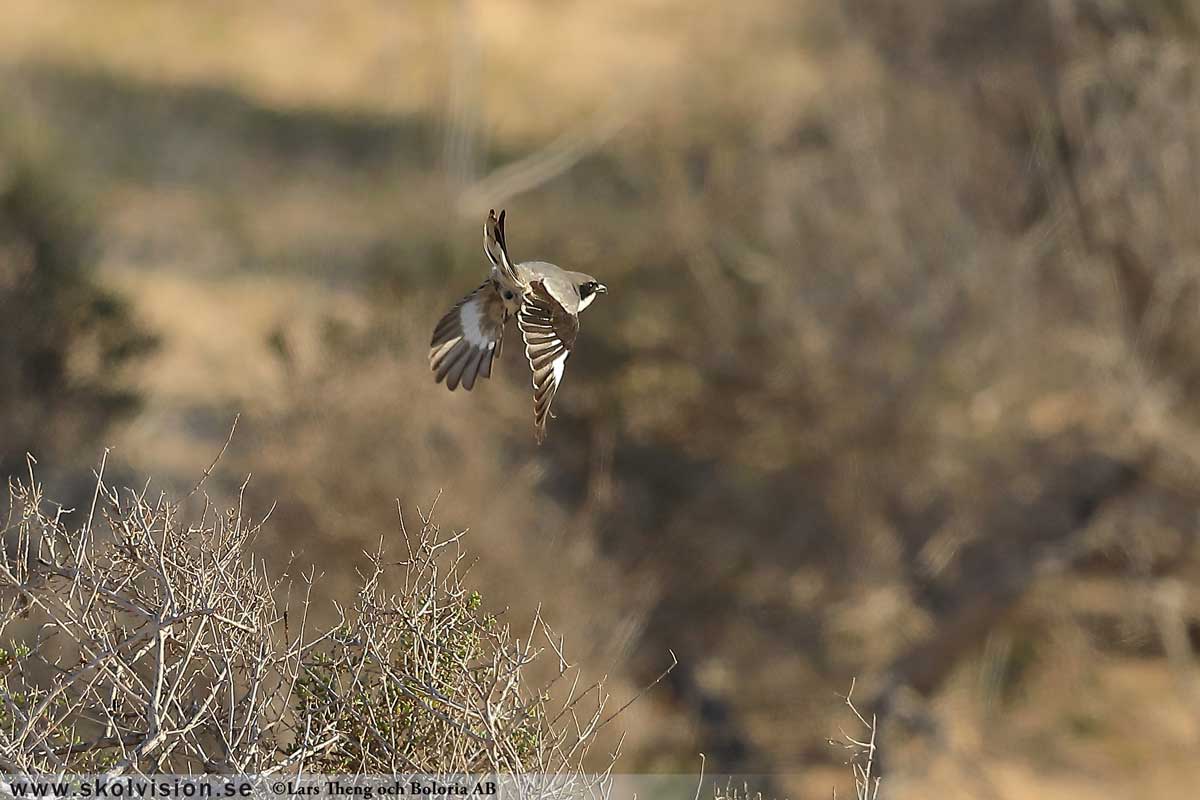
<point x="470" y="317"/>
<point x="559" y="365"/>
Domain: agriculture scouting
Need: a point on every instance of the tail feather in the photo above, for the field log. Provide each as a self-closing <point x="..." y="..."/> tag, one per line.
<point x="496" y="247"/>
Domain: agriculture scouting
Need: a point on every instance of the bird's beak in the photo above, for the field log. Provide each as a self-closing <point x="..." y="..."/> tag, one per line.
<point x="601" y="288"/>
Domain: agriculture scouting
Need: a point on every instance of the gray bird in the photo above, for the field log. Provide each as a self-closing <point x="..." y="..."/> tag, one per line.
<point x="545" y="299"/>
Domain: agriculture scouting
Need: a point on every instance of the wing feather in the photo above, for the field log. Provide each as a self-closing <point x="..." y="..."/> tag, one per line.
<point x="472" y="370"/>
<point x="549" y="331"/>
<point x="468" y="338"/>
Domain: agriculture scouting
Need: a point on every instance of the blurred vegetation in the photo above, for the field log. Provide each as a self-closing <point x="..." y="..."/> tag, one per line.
<point x="66" y="339"/>
<point x="893" y="380"/>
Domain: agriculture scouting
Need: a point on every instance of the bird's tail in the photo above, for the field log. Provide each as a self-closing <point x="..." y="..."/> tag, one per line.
<point x="496" y="248"/>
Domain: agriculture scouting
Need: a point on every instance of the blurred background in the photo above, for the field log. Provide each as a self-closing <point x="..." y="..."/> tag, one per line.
<point x="895" y="380"/>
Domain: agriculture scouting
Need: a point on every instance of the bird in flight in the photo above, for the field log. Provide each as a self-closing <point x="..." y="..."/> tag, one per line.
<point x="545" y="299"/>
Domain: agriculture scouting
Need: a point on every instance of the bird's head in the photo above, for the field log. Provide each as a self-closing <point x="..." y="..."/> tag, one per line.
<point x="589" y="288"/>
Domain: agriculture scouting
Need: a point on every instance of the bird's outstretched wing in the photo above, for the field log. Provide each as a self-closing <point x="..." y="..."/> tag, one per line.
<point x="549" y="331"/>
<point x="496" y="247"/>
<point x="469" y="338"/>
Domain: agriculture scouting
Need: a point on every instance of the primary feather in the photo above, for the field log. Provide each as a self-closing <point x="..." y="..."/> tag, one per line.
<point x="468" y="339"/>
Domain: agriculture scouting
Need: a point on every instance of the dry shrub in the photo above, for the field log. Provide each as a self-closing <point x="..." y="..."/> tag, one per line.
<point x="148" y="638"/>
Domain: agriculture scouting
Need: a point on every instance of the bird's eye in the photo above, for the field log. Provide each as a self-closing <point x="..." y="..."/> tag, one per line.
<point x="508" y="295"/>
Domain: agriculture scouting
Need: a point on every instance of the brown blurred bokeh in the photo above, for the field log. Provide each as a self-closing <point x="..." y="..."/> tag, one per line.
<point x="895" y="379"/>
